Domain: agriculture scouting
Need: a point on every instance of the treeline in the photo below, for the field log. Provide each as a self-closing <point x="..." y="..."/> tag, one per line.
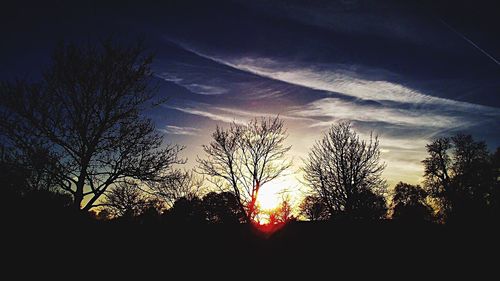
<point x="77" y="142"/>
<point x="461" y="182"/>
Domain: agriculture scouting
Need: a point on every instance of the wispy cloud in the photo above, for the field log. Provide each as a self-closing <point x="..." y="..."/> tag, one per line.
<point x="169" y="77"/>
<point x="197" y="88"/>
<point x="340" y="79"/>
<point x="362" y="99"/>
<point x="175" y="130"/>
<point x="253" y="114"/>
<point x="329" y="110"/>
<point x="205" y="89"/>
<point x="230" y="115"/>
<point x="213" y="115"/>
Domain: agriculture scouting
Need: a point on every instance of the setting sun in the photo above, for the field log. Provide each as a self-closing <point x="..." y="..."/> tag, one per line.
<point x="271" y="194"/>
<point x="269" y="197"/>
<point x="270" y="202"/>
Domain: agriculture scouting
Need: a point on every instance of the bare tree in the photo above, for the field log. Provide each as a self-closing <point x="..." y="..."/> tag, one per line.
<point x="85" y="116"/>
<point x="177" y="185"/>
<point x="342" y="170"/>
<point x="126" y="200"/>
<point x="246" y="157"/>
<point x="283" y="213"/>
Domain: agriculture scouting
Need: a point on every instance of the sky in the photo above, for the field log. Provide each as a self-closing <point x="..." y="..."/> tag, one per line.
<point x="406" y="72"/>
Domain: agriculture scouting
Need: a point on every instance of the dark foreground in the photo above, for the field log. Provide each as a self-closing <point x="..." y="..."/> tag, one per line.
<point x="374" y="248"/>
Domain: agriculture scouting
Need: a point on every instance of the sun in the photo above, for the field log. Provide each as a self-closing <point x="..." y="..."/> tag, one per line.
<point x="270" y="216"/>
<point x="269" y="197"/>
<point x="268" y="200"/>
<point x="271" y="194"/>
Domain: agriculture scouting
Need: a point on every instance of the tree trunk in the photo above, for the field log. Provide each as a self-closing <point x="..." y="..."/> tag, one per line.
<point x="78" y="197"/>
<point x="251" y="207"/>
<point x="247" y="218"/>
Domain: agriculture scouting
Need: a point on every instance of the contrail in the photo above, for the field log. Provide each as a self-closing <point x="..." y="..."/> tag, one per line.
<point x="470" y="41"/>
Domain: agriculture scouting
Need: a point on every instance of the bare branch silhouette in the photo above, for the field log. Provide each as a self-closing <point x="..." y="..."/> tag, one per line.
<point x="246" y="158"/>
<point x="85" y="116"/>
<point x="344" y="171"/>
<point x="176" y="185"/>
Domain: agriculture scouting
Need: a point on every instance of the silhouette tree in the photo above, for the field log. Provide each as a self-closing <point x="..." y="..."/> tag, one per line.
<point x="13" y="178"/>
<point x="152" y="211"/>
<point x="26" y="195"/>
<point x="283" y="213"/>
<point x="494" y="198"/>
<point x="313" y="209"/>
<point x="410" y="203"/>
<point x="85" y="119"/>
<point x="245" y="158"/>
<point x="24" y="174"/>
<point x="223" y="207"/>
<point x="368" y="205"/>
<point x="345" y="173"/>
<point x="459" y="174"/>
<point x="187" y="210"/>
<point x="495" y="160"/>
<point x="126" y="200"/>
<point x="176" y="185"/>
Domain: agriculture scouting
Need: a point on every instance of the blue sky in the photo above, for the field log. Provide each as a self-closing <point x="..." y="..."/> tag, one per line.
<point x="409" y="73"/>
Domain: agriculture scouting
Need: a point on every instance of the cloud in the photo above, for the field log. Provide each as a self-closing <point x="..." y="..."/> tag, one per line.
<point x="175" y="130"/>
<point x="333" y="109"/>
<point x="196" y="88"/>
<point x="341" y="91"/>
<point x="253" y="114"/>
<point x="347" y="80"/>
<point x="205" y="89"/>
<point x="230" y="115"/>
<point x="197" y="109"/>
<point x="169" y="77"/>
<point x="395" y="143"/>
<point x="356" y="81"/>
<point x="368" y="99"/>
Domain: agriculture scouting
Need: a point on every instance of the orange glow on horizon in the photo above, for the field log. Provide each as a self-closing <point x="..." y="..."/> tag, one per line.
<point x="267" y="228"/>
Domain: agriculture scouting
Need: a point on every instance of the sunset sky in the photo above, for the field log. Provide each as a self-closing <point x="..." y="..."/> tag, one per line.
<point x="408" y="73"/>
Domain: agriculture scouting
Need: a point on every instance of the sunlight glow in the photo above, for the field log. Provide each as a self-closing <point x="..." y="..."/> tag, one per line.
<point x="269" y="196"/>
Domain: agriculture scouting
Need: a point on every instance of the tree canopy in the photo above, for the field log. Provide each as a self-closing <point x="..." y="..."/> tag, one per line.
<point x="345" y="172"/>
<point x="244" y="158"/>
<point x="81" y="126"/>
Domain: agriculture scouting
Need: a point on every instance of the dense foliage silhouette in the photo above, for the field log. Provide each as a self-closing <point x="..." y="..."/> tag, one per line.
<point x="460" y="174"/>
<point x="411" y="203"/>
